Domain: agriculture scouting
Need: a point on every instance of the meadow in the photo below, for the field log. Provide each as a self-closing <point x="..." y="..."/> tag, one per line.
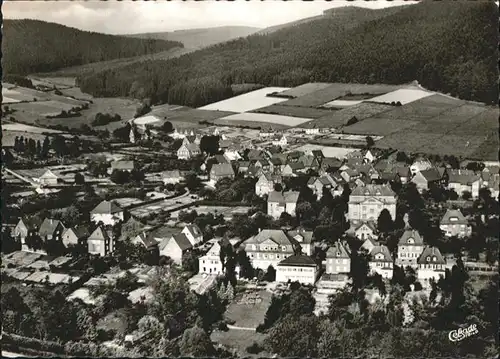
<point x="244" y="118"/>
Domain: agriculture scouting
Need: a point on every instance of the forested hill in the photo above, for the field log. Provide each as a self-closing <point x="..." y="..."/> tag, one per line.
<point x="447" y="46"/>
<point x="31" y="46"/>
<point x="199" y="38"/>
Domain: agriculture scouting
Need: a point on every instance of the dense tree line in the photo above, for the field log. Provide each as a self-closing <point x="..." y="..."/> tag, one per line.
<point x="53" y="46"/>
<point x="446" y="46"/>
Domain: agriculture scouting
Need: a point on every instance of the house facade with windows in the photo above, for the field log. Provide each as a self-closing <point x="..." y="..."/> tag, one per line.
<point x="381" y="261"/>
<point x="462" y="181"/>
<point x="431" y="264"/>
<point x="410" y="247"/>
<point x="193" y="234"/>
<point x="366" y="203"/>
<point x="220" y="171"/>
<point x="266" y="184"/>
<point x="338" y="259"/>
<point x="210" y="263"/>
<point x="188" y="151"/>
<point x="454" y="223"/>
<point x="278" y="203"/>
<point x="269" y="247"/>
<point x="26" y="227"/>
<point x="319" y="184"/>
<point x="172" y="177"/>
<point x="75" y="235"/>
<point x="297" y="268"/>
<point x="100" y="242"/>
<point x="304" y="240"/>
<point x="175" y="247"/>
<point x="51" y="229"/>
<point x="364" y="230"/>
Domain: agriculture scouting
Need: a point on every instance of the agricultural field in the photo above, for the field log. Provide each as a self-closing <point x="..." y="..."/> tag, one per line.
<point x="338" y="90"/>
<point x="404" y="96"/>
<point x="19" y="127"/>
<point x="379" y="126"/>
<point x="341" y="117"/>
<point x="185" y="117"/>
<point x="304" y="89"/>
<point x="304" y="112"/>
<point x="247" y="102"/>
<point x="329" y="152"/>
<point x="341" y="103"/>
<point x="273" y="120"/>
<point x="59" y="82"/>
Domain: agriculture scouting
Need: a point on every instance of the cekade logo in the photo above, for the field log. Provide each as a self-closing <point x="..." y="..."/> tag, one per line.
<point x="462" y="333"/>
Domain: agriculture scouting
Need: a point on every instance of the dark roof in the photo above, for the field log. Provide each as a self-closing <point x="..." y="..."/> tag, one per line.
<point x="337" y="250"/>
<point x="285" y="197"/>
<point x="453" y="213"/>
<point x="49" y="226"/>
<point x="465" y="177"/>
<point x="32" y="223"/>
<point x="301" y="236"/>
<point x="123" y="165"/>
<point x="221" y="159"/>
<point x="222" y="169"/>
<point x="182" y="241"/>
<point x="147" y="240"/>
<point x="108" y="207"/>
<point x="276" y="235"/>
<point x="411" y="234"/>
<point x="431" y="175"/>
<point x="299" y="261"/>
<point x="431" y="255"/>
<point x="80" y="231"/>
<point x="381" y="249"/>
<point x="372" y="190"/>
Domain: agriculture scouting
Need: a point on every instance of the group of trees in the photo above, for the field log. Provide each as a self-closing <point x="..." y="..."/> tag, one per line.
<point x="102" y="119"/>
<point x="353" y="48"/>
<point x="122" y="176"/>
<point x="32" y="148"/>
<point x="62" y="146"/>
<point x="55" y="46"/>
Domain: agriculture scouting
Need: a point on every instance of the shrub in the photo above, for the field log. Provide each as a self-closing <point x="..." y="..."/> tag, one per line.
<point x="254" y="349"/>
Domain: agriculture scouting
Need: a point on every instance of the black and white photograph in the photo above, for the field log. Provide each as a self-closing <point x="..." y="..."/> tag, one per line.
<point x="250" y="179"/>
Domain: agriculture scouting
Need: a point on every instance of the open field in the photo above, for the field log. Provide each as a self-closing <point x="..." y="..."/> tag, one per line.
<point x="75" y="92"/>
<point x="249" y="315"/>
<point x="337" y="90"/>
<point x="404" y="96"/>
<point x="304" y="112"/>
<point x="185" y="117"/>
<point x="240" y="340"/>
<point x="341" y="117"/>
<point x="329" y="152"/>
<point x="243" y="118"/>
<point x="19" y="127"/>
<point x="60" y="82"/>
<point x="227" y="212"/>
<point x="304" y="89"/>
<point x="379" y="126"/>
<point x="341" y="103"/>
<point x="247" y="102"/>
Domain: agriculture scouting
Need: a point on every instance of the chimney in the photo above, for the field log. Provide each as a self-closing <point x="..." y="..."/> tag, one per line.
<point x="260" y="229"/>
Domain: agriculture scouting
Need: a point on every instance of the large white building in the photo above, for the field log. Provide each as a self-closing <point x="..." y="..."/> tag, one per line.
<point x="299" y="268"/>
<point x="410" y="247"/>
<point x="366" y="203"/>
<point x="269" y="247"/>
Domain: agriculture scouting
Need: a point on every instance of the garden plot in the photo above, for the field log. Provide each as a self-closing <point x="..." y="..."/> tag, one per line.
<point x="242" y="118"/>
<point x="20" y="258"/>
<point x="341" y="117"/>
<point x="329" y="152"/>
<point x="249" y="308"/>
<point x="304" y="112"/>
<point x="52" y="278"/>
<point x="126" y="202"/>
<point x="248" y="102"/>
<point x="342" y="103"/>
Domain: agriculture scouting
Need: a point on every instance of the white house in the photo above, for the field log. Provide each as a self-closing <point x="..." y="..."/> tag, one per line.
<point x="304" y="239"/>
<point x="338" y="259"/>
<point x="280" y="141"/>
<point x="420" y="164"/>
<point x="410" y="247"/>
<point x="172" y="177"/>
<point x="175" y="247"/>
<point x="109" y="213"/>
<point x="193" y="234"/>
<point x="431" y="264"/>
<point x="278" y="202"/>
<point x="210" y="263"/>
<point x="100" y="242"/>
<point x="364" y="230"/>
<point x="188" y="151"/>
<point x="48" y="179"/>
<point x="266" y="184"/>
<point x="454" y="223"/>
<point x="369" y="157"/>
<point x="298" y="268"/>
<point x="381" y="261"/>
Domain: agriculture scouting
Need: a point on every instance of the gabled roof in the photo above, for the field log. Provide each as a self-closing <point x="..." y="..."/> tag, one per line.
<point x="431" y="255"/>
<point x="465" y="177"/>
<point x="193" y="147"/>
<point x="411" y="234"/>
<point x="401" y="171"/>
<point x="295" y="166"/>
<point x="256" y="154"/>
<point x="80" y="232"/>
<point x="194" y="230"/>
<point x="221" y="159"/>
<point x="277" y="235"/>
<point x="243" y="164"/>
<point x="285" y="197"/>
<point x="373" y="190"/>
<point x="381" y="249"/>
<point x="299" y="261"/>
<point x="99" y="234"/>
<point x="222" y="169"/>
<point x="49" y="174"/>
<point x="32" y="223"/>
<point x="337" y="250"/>
<point x="369" y="224"/>
<point x="370" y="240"/>
<point x="180" y="239"/>
<point x="49" y="226"/>
<point x="318" y="154"/>
<point x="147" y="240"/>
<point x="431" y="174"/>
<point x="107" y="207"/>
<point x="453" y="216"/>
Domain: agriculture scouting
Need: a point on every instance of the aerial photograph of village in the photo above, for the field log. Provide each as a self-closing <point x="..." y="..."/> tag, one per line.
<point x="250" y="179"/>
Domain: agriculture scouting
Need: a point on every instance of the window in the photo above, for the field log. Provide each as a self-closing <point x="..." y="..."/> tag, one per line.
<point x="283" y="248"/>
<point x="277" y="256"/>
<point x="428" y="259"/>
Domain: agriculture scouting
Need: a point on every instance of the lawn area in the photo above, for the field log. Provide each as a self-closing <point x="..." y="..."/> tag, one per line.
<point x="248" y="315"/>
<point x="240" y="340"/>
